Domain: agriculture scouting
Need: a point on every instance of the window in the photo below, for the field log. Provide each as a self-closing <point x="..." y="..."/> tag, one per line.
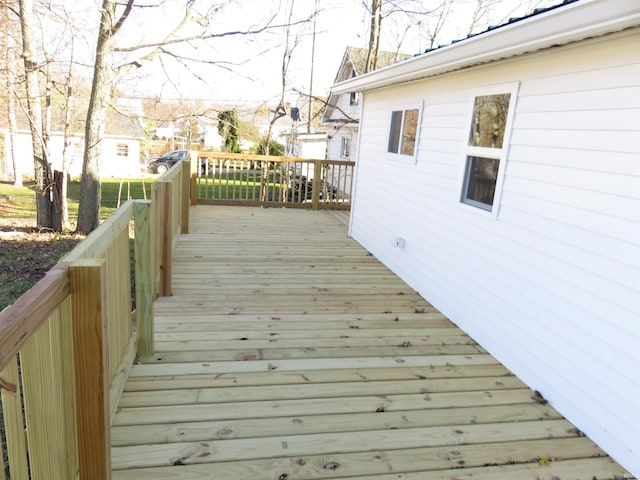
<point x="403" y="131"/>
<point x="345" y="147"/>
<point x="122" y="150"/>
<point x="486" y="149"/>
<point x="354" y="97"/>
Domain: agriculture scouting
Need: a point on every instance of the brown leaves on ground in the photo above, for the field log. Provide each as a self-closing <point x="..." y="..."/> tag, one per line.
<point x="26" y="254"/>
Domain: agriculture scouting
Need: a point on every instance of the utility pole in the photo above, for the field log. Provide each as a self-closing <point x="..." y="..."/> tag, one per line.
<point x="313" y="54"/>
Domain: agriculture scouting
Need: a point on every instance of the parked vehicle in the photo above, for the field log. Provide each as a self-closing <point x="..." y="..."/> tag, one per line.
<point x="166" y="161"/>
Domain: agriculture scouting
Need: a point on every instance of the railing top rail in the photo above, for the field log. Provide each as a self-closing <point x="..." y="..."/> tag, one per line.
<point x="170" y="174"/>
<point x="99" y="240"/>
<point x="19" y="321"/>
<point x="270" y="158"/>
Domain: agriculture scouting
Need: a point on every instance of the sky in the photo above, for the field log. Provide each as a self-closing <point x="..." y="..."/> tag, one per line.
<point x="247" y="69"/>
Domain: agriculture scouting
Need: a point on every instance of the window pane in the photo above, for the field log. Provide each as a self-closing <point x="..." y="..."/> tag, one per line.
<point x="489" y="120"/>
<point x="394" y="131"/>
<point x="346" y="147"/>
<point x="481" y="177"/>
<point x="122" y="150"/>
<point x="409" y="131"/>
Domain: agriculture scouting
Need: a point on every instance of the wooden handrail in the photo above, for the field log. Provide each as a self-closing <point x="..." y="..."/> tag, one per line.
<point x="31" y="310"/>
<point x="102" y="237"/>
<point x="271" y="158"/>
<point x="82" y="299"/>
<point x="263" y="180"/>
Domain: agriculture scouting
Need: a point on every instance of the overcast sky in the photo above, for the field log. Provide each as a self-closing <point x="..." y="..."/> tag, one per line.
<point x="249" y="68"/>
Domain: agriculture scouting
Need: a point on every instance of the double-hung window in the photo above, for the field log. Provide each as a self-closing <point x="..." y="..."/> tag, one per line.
<point x="122" y="150"/>
<point x="403" y="133"/>
<point x="345" y="147"/>
<point x="487" y="146"/>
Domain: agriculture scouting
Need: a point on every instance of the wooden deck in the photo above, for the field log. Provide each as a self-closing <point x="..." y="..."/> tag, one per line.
<point x="288" y="352"/>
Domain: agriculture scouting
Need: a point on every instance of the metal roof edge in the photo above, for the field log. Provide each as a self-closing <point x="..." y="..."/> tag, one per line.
<point x="573" y="22"/>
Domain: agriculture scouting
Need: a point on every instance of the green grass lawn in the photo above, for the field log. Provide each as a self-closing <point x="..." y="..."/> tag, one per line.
<point x="20" y="202"/>
<point x="26" y="253"/>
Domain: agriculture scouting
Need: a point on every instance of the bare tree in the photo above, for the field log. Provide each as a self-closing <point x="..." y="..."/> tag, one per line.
<point x="375" y="30"/>
<point x="106" y="72"/>
<point x="42" y="173"/>
<point x="11" y="67"/>
<point x="103" y="75"/>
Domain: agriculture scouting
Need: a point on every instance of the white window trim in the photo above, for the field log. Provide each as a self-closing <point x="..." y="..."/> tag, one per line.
<point x="500" y="154"/>
<point x="343" y="139"/>
<point x="398" y="157"/>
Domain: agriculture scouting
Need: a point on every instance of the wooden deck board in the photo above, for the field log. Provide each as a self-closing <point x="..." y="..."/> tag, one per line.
<point x="288" y="352"/>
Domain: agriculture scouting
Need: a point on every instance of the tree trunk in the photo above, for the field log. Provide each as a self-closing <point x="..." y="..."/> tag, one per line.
<point x="42" y="173"/>
<point x="374" y="35"/>
<point x="103" y="75"/>
<point x="66" y="153"/>
<point x="11" y="110"/>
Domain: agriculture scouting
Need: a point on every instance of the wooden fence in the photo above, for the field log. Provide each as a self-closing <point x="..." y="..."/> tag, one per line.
<point x="67" y="345"/>
<point x="260" y="180"/>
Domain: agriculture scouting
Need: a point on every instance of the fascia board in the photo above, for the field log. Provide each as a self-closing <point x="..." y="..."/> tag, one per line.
<point x="573" y="22"/>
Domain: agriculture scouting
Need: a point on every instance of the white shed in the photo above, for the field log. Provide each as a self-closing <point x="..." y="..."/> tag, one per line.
<point x="500" y="177"/>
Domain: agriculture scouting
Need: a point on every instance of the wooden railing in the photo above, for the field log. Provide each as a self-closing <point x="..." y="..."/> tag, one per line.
<point x="260" y="180"/>
<point x="67" y="345"/>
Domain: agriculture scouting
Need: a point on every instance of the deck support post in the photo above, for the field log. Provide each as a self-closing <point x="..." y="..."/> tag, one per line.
<point x="91" y="361"/>
<point x="166" y="236"/>
<point x="144" y="277"/>
<point x="317" y="185"/>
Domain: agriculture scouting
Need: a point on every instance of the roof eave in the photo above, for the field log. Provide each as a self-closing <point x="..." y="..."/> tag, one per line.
<point x="573" y="22"/>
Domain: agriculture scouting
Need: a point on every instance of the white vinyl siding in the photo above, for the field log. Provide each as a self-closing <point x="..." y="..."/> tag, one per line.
<point x="551" y="285"/>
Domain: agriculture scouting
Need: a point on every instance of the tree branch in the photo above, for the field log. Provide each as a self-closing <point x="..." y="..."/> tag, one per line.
<point x="127" y="10"/>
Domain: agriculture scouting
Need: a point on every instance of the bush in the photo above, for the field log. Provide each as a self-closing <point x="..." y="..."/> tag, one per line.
<point x="275" y="149"/>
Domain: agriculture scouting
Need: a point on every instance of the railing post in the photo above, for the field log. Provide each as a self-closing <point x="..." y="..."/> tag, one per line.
<point x="185" y="198"/>
<point x="144" y="276"/>
<point x="317" y="185"/>
<point x="166" y="237"/>
<point x="91" y="361"/>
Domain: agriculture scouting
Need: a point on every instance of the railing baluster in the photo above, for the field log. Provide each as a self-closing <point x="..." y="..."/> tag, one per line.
<point x="165" y="237"/>
<point x="14" y="421"/>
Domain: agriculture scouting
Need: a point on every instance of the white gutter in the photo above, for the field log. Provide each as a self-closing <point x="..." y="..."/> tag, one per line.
<point x="569" y="23"/>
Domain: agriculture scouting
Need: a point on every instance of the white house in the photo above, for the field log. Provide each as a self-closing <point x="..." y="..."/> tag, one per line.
<point x="120" y="154"/>
<point x="500" y="177"/>
<point x="342" y="111"/>
<point x="306" y="145"/>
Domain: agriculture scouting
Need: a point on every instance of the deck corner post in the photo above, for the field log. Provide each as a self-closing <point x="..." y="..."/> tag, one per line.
<point x="165" y="214"/>
<point x="317" y="185"/>
<point x="91" y="364"/>
<point x="144" y="277"/>
<point x="185" y="197"/>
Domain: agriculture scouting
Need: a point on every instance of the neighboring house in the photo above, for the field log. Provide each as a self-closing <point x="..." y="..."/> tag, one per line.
<point x="120" y="147"/>
<point x="306" y="145"/>
<point x="342" y="111"/>
<point x="500" y="177"/>
<point x="120" y="154"/>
